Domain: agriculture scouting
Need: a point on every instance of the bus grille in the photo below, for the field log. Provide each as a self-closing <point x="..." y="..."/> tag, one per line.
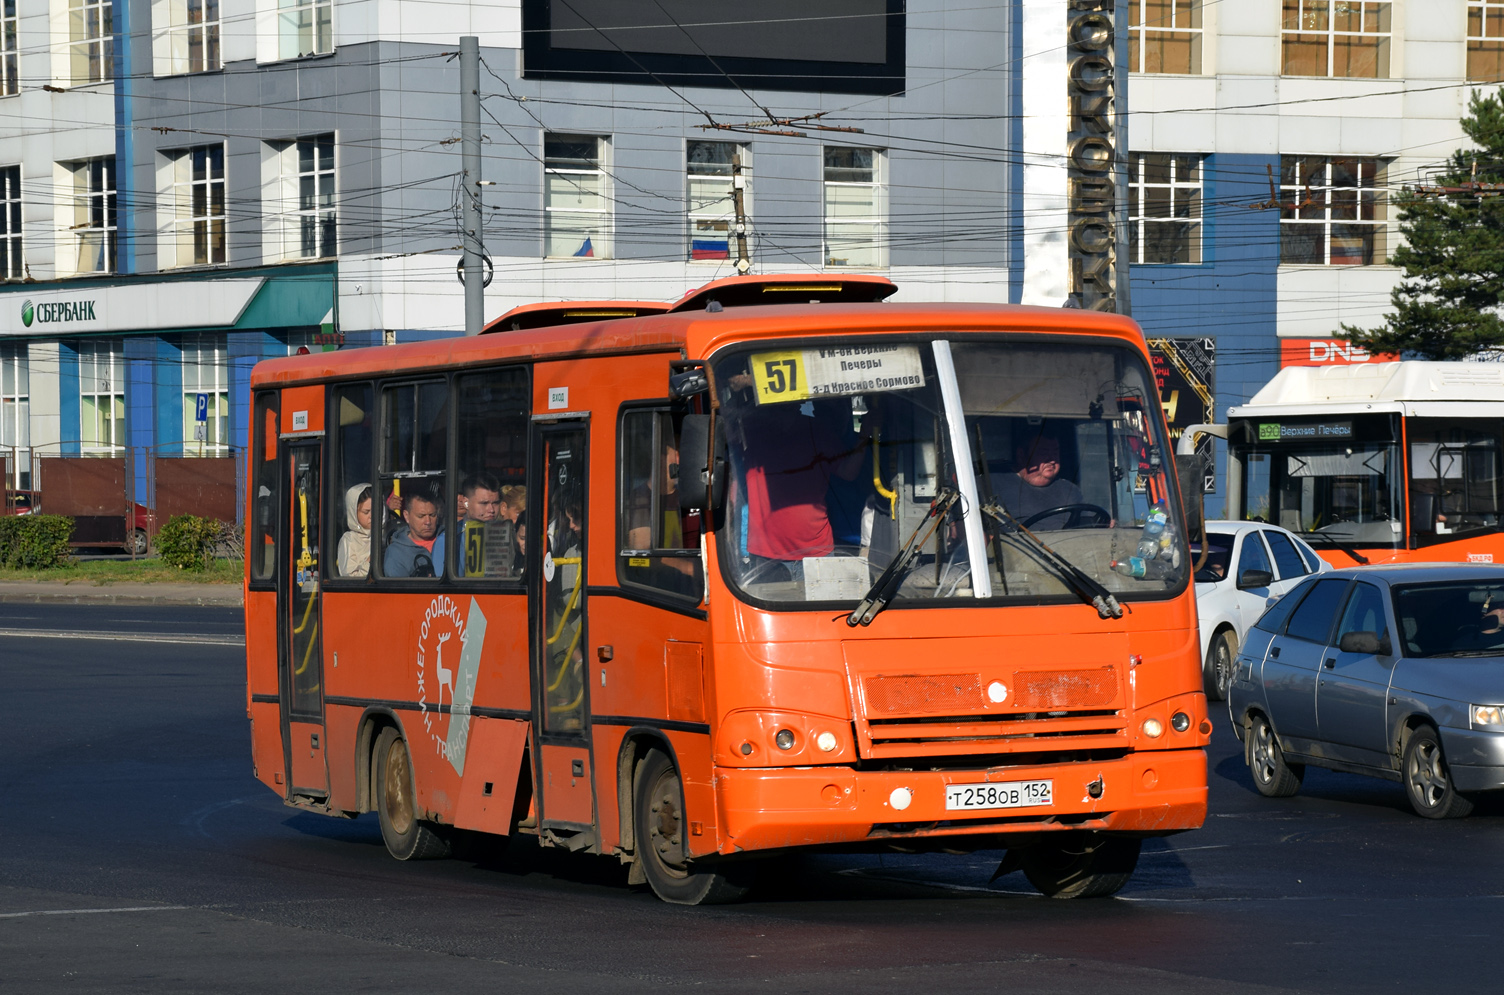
<point x="1056" y="689"/>
<point x="928" y="694"/>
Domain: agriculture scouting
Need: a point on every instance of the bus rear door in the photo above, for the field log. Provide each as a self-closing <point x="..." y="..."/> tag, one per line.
<point x="557" y="608"/>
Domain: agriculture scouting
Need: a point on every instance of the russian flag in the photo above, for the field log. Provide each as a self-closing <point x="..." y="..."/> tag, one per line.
<point x="587" y="249"/>
<point x="710" y="248"/>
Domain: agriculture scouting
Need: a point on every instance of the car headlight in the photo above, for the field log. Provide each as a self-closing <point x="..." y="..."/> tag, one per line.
<point x="1487" y="716"/>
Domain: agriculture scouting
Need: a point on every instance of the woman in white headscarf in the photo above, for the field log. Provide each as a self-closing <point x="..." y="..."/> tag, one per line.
<point x="355" y="544"/>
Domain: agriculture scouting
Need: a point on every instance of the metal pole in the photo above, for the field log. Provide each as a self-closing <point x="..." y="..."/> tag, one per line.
<point x="470" y="185"/>
<point x="1120" y="70"/>
<point x="738" y="189"/>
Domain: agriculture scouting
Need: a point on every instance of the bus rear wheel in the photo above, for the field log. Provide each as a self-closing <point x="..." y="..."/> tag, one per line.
<point x="659" y="829"/>
<point x="406" y="836"/>
<point x="1081" y="866"/>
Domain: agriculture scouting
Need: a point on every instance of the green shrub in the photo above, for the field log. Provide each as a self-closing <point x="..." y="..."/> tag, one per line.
<point x="188" y="542"/>
<point x="34" y="542"/>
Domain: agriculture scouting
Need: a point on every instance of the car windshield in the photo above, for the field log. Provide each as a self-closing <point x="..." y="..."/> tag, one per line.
<point x="1218" y="557"/>
<point x="837" y="453"/>
<point x="1451" y="619"/>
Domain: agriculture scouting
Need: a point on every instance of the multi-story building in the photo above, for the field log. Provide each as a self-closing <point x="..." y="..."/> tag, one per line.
<point x="187" y="186"/>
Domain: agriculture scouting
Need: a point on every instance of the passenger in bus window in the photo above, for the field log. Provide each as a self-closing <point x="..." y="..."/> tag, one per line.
<point x="418" y="549"/>
<point x="354" y="557"/>
<point x="483" y="528"/>
<point x="1037" y="485"/>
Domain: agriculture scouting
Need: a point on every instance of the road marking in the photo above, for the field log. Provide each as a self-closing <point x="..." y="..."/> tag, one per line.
<point x="210" y="638"/>
<point x="83" y="912"/>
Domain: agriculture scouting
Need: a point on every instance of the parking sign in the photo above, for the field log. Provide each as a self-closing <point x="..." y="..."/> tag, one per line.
<point x="201" y="407"/>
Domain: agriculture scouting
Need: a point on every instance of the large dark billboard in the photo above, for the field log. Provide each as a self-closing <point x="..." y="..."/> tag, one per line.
<point x="842" y="46"/>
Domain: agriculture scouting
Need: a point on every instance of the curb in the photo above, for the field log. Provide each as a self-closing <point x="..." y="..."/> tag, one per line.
<point x="69" y="595"/>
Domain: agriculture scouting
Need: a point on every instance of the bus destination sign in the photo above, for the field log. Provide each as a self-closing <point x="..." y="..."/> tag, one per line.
<point x="1280" y="432"/>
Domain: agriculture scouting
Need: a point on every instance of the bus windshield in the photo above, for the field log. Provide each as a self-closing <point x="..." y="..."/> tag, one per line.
<point x="1343" y="490"/>
<point x="837" y="452"/>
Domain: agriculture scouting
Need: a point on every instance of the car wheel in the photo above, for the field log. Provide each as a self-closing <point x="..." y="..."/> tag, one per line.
<point x="138" y="544"/>
<point x="1271" y="775"/>
<point x="1220" y="657"/>
<point x="1081" y="865"/>
<point x="1428" y="782"/>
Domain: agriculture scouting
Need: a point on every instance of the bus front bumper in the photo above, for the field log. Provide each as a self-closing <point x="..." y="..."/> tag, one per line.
<point x="1151" y="792"/>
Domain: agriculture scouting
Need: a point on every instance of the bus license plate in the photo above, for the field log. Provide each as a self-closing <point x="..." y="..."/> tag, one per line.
<point x="1002" y="794"/>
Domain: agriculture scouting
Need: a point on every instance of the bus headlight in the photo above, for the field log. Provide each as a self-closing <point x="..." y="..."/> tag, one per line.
<point x="1153" y="728"/>
<point x="826" y="741"/>
<point x="784" y="739"/>
<point x="1180" y="722"/>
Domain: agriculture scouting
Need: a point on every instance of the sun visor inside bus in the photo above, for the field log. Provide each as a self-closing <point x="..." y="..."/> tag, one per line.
<point x="1035" y="382"/>
<point x="798" y="288"/>
<point x="570" y="313"/>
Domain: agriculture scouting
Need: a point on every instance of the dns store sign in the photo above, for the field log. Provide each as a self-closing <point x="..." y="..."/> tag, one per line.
<point x="1327" y="352"/>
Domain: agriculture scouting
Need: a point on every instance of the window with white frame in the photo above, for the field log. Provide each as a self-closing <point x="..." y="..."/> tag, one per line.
<point x="712" y="208"/>
<point x="1336" y="38"/>
<point x="856" y="210"/>
<point x="101" y="395"/>
<point x="93" y="225"/>
<point x="1331" y="210"/>
<point x="576" y="206"/>
<point x="304" y="27"/>
<point x="11" y="265"/>
<point x="186" y="36"/>
<point x="198" y="199"/>
<point x="15" y="411"/>
<point x="1164" y="208"/>
<point x="206" y="373"/>
<point x="299" y="199"/>
<point x="91" y="40"/>
<point x="1164" y="36"/>
<point x="10" y="50"/>
<point x="1485" y="41"/>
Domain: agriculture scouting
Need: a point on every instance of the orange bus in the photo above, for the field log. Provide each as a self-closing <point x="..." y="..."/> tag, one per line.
<point x="777" y="566"/>
<point x="1375" y="462"/>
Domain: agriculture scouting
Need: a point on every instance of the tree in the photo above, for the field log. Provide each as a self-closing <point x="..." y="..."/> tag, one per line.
<point x="1448" y="305"/>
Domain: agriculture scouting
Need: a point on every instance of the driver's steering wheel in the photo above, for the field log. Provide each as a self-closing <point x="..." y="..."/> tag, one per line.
<point x="1101" y="518"/>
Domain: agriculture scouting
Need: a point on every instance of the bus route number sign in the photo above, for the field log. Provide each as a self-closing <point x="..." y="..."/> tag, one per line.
<point x="802" y="374"/>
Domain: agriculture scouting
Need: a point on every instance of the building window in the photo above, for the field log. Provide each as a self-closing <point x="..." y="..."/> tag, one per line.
<point x="94" y="215"/>
<point x="198" y="197"/>
<point x="1336" y="38"/>
<point x="1485" y="42"/>
<point x="206" y="371"/>
<point x="304" y="27"/>
<point x="11" y="267"/>
<point x="298" y="198"/>
<point x="190" y="41"/>
<point x="101" y="389"/>
<point x="15" y="413"/>
<point x="10" y="49"/>
<point x="576" y="212"/>
<point x="712" y="207"/>
<point x="91" y="40"/>
<point x="1164" y="36"/>
<point x="856" y="211"/>
<point x="1164" y="195"/>
<point x="1331" y="211"/>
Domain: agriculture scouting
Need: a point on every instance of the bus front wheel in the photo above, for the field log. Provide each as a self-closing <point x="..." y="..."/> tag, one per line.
<point x="1081" y="866"/>
<point x="659" y="830"/>
<point x="406" y="836"/>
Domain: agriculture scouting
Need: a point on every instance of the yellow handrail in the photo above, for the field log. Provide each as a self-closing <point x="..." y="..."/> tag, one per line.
<point x="877" y="481"/>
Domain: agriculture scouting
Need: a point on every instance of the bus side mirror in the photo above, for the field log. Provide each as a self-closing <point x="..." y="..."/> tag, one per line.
<point x="702" y="476"/>
<point x="1189" y="471"/>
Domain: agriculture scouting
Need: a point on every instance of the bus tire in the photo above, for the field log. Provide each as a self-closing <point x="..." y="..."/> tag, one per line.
<point x="1081" y="865"/>
<point x="406" y="836"/>
<point x="659" y="829"/>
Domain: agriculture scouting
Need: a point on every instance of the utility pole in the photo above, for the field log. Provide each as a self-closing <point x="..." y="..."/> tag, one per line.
<point x="738" y="200"/>
<point x="474" y="251"/>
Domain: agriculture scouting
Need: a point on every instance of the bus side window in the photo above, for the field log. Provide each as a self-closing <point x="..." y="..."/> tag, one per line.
<point x="491" y="430"/>
<point x="409" y="533"/>
<point x="262" y="533"/>
<point x="354" y="492"/>
<point x="659" y="542"/>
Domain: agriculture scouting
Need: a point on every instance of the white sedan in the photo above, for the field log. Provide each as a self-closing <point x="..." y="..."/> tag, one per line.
<point x="1229" y="599"/>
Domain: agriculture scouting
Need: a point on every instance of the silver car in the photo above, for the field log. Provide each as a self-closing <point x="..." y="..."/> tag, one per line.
<point x="1392" y="671"/>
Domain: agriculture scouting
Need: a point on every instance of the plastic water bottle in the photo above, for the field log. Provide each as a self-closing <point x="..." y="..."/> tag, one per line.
<point x="1134" y="566"/>
<point x="1157" y="520"/>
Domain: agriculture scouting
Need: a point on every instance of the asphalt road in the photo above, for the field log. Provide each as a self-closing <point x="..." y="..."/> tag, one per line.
<point x="140" y="855"/>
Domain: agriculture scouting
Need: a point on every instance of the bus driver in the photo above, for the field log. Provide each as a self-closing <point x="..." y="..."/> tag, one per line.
<point x="1037" y="485"/>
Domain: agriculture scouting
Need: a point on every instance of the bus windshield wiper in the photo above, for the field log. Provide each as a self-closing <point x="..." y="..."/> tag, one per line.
<point x="1356" y="556"/>
<point x="883" y="589"/>
<point x="1082" y="584"/>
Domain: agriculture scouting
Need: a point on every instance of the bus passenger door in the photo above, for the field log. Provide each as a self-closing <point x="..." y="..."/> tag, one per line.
<point x="300" y="653"/>
<point x="556" y="535"/>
